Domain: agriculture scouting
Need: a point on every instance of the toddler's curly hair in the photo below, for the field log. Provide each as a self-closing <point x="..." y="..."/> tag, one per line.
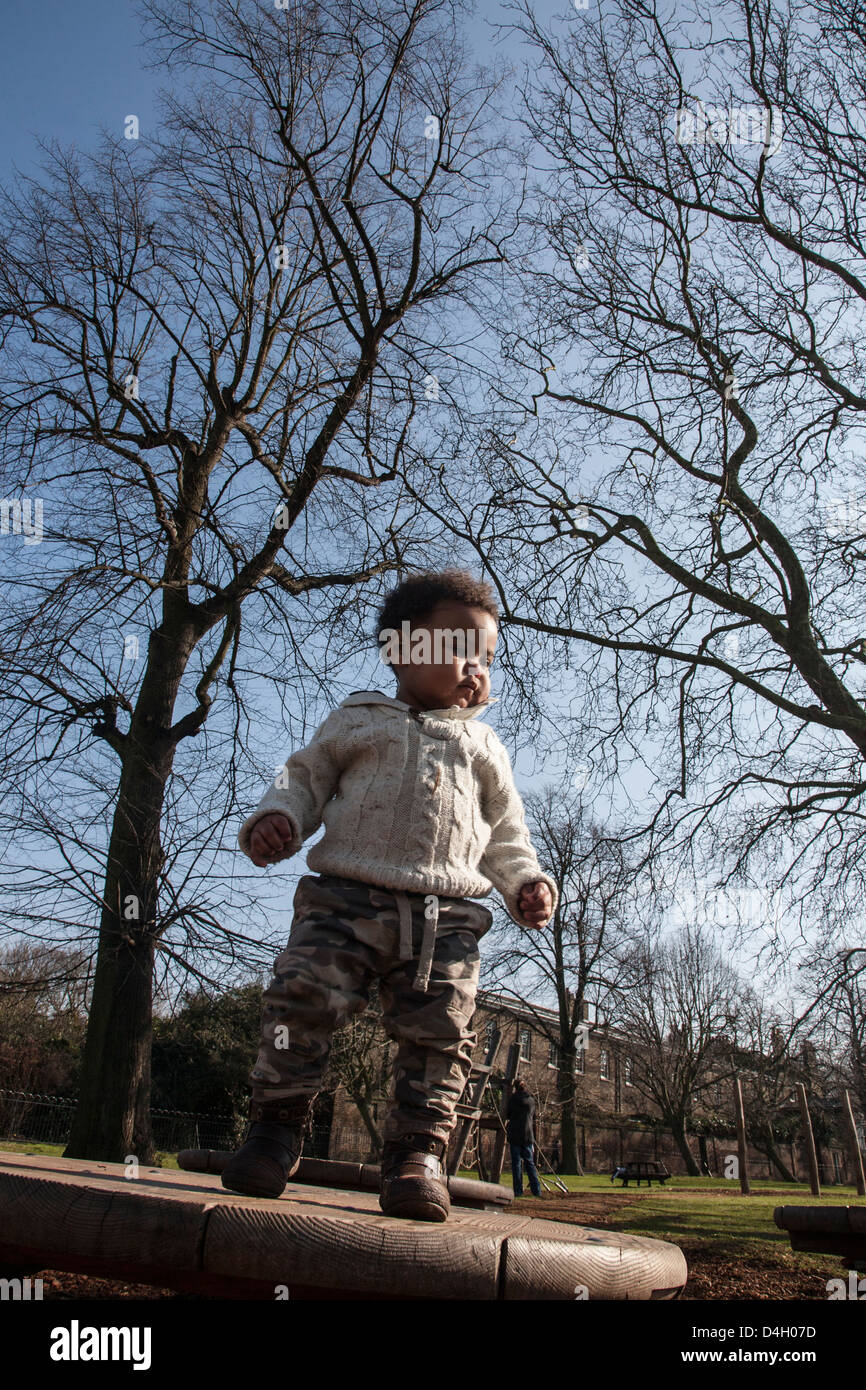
<point x="417" y="596"/>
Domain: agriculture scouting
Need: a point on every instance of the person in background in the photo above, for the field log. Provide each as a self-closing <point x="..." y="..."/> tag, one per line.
<point x="521" y="1109"/>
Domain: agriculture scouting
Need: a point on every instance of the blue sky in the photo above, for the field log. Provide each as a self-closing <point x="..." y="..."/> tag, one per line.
<point x="67" y="70"/>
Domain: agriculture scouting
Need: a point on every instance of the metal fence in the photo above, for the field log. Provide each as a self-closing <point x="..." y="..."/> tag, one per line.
<point x="27" y="1117"/>
<point x="37" y="1119"/>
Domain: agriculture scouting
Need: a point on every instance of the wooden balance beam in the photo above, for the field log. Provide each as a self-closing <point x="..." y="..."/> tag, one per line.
<point x="826" y="1231"/>
<point x="358" y="1177"/>
<point x="183" y="1230"/>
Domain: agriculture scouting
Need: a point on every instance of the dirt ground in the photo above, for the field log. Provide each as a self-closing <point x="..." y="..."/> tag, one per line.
<point x="717" y="1269"/>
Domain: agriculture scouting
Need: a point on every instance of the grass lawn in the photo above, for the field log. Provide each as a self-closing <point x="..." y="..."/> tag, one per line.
<point x="733" y="1247"/>
<point x="12" y="1146"/>
<point x="708" y="1207"/>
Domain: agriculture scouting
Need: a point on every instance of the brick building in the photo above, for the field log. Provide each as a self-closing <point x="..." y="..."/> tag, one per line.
<point x="616" y="1122"/>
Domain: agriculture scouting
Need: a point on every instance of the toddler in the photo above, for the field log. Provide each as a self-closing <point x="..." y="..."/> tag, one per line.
<point x="421" y="815"/>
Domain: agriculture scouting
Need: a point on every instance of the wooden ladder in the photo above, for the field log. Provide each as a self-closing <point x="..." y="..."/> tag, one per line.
<point x="468" y="1107"/>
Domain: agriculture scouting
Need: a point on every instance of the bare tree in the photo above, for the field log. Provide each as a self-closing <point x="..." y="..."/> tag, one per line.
<point x="678" y="997"/>
<point x="764" y="1055"/>
<point x="214" y="346"/>
<point x="360" y="1061"/>
<point x="42" y="997"/>
<point x="576" y="960"/>
<point x="834" y="1019"/>
<point x="674" y="458"/>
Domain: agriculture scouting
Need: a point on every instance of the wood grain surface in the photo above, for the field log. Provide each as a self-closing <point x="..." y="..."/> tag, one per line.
<point x="182" y="1229"/>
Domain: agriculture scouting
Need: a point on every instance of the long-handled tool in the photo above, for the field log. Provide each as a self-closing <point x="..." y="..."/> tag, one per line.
<point x="557" y="1180"/>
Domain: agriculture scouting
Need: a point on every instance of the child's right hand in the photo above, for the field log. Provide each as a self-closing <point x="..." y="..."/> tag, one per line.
<point x="269" y="838"/>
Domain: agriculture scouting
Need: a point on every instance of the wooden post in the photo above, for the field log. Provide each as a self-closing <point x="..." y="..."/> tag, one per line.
<point x="856" y="1155"/>
<point x="809" y="1140"/>
<point x="498" y="1159"/>
<point x="742" y="1156"/>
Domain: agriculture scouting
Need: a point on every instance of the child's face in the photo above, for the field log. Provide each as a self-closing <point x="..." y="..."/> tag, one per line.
<point x="452" y="673"/>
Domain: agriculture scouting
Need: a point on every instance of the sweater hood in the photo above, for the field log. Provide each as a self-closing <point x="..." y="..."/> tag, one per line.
<point x="376" y="697"/>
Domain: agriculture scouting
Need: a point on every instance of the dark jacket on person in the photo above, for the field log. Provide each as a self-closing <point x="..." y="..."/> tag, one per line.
<point x="521" y="1109"/>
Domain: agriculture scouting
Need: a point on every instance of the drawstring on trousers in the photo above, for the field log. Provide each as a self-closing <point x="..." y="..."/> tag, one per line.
<point x="428" y="940"/>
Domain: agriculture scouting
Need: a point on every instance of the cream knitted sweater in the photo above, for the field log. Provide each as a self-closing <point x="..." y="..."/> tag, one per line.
<point x="421" y="801"/>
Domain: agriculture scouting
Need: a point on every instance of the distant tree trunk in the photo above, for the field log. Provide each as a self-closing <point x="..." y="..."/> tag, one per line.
<point x="764" y="1141"/>
<point x="678" y="1130"/>
<point x="768" y="1147"/>
<point x="704" y="1155"/>
<point x="566" y="1089"/>
<point x="363" y="1104"/>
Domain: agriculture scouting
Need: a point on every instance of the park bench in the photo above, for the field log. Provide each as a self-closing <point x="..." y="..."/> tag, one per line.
<point x="645" y="1170"/>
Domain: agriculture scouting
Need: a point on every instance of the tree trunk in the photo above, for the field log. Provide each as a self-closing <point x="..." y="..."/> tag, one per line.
<point x="570" y="1157"/>
<point x="704" y="1155"/>
<point x="112" y="1120"/>
<point x="678" y="1131"/>
<point x="765" y="1142"/>
<point x="363" y="1105"/>
<point x="768" y="1148"/>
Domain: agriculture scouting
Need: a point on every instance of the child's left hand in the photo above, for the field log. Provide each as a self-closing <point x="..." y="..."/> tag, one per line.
<point x="536" y="903"/>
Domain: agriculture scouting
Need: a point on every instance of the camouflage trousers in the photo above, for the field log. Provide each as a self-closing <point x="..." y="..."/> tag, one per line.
<point x="345" y="933"/>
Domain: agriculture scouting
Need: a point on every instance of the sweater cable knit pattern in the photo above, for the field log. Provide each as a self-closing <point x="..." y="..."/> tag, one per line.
<point x="419" y="801"/>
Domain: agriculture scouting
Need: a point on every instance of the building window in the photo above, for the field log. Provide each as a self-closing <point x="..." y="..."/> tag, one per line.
<point x="489" y="1030"/>
<point x="627" y="1070"/>
<point x="604" y="1065"/>
<point x="553" y="1056"/>
<point x="525" y="1045"/>
<point x="580" y="1062"/>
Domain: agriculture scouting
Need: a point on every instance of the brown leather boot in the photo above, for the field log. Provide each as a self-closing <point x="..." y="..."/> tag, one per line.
<point x="413" y="1182"/>
<point x="271" y="1152"/>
